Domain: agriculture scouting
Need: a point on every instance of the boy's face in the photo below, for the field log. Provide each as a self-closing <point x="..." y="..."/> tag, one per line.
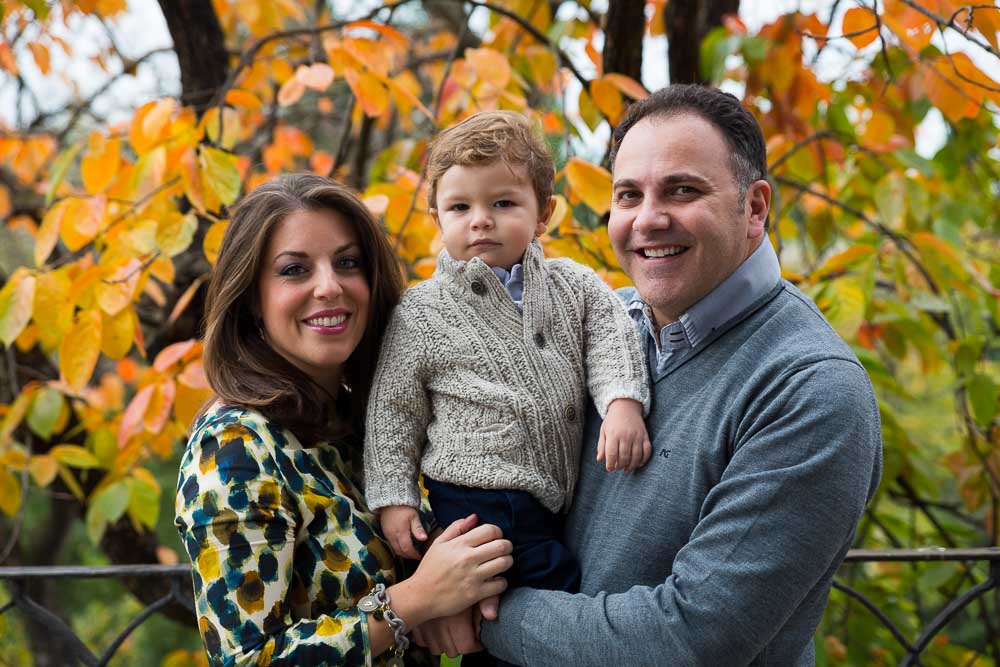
<point x="489" y="211"/>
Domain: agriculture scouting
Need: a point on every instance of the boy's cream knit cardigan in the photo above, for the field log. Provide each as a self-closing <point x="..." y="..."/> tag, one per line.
<point x="475" y="393"/>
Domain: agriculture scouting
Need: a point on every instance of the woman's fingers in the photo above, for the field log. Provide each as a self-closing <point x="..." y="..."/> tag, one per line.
<point x="481" y="535"/>
<point x="458" y="527"/>
<point x="495" y="566"/>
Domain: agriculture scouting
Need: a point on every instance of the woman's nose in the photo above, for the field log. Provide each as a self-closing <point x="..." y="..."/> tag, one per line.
<point x="327" y="285"/>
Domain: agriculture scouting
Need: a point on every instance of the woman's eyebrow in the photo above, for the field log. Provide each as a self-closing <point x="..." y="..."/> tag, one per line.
<point x="301" y="254"/>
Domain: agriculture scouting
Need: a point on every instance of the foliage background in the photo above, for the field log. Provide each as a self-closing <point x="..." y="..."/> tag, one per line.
<point x="111" y="225"/>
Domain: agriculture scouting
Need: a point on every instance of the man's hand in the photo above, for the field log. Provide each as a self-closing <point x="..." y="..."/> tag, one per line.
<point x="450" y="635"/>
<point x="624" y="443"/>
<point x="401" y="523"/>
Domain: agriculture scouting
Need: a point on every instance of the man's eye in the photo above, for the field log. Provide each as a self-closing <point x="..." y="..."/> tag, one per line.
<point x="628" y="195"/>
<point x="292" y="270"/>
<point x="685" y="190"/>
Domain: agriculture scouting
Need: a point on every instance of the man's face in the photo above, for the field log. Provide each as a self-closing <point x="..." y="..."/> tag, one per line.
<point x="676" y="225"/>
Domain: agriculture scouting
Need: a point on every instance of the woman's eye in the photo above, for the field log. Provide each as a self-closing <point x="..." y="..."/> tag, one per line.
<point x="292" y="270"/>
<point x="350" y="263"/>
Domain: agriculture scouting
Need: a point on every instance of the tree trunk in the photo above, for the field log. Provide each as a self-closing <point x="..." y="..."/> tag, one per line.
<point x="201" y="49"/>
<point x="687" y="22"/>
<point x="624" y="27"/>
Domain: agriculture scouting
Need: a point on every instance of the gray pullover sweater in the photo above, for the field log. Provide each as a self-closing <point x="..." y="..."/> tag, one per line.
<point x="721" y="550"/>
<point x="474" y="392"/>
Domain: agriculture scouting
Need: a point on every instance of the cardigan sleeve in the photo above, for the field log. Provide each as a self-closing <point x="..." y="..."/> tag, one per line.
<point x="238" y="523"/>
<point x="613" y="356"/>
<point x="399" y="411"/>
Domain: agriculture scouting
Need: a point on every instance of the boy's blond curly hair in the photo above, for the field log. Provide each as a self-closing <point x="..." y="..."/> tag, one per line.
<point x="489" y="136"/>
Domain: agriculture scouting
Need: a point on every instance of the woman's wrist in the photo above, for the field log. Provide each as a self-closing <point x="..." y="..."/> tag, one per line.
<point x="410" y="603"/>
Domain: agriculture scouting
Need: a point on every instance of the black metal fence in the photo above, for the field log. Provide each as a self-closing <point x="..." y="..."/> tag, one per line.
<point x="16" y="580"/>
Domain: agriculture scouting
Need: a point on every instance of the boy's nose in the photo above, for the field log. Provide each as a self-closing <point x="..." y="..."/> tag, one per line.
<point x="482" y="219"/>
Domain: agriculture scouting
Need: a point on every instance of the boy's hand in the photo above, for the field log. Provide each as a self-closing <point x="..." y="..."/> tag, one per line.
<point x="624" y="443"/>
<point x="399" y="523"/>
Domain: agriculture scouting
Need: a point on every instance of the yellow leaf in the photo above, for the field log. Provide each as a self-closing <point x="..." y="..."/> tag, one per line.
<point x="291" y="91"/>
<point x="43" y="469"/>
<point x="16" y="300"/>
<point x="317" y="76"/>
<point x="188" y="401"/>
<point x="219" y="172"/>
<point x="53" y="309"/>
<point x="100" y="164"/>
<point x="542" y="62"/>
<point x="591" y="183"/>
<point x="561" y="214"/>
<point x="369" y="91"/>
<point x="589" y="112"/>
<point x="489" y="65"/>
<point x="627" y="85"/>
<point x="156" y="122"/>
<point x="117" y="333"/>
<point x="118" y="285"/>
<point x="861" y="26"/>
<point x="174" y="233"/>
<point x="81" y="221"/>
<point x="191" y="179"/>
<point x="10" y="493"/>
<point x="844" y="260"/>
<point x="213" y="239"/>
<point x="148" y="173"/>
<point x="16" y="413"/>
<point x="80" y="349"/>
<point x="231" y="127"/>
<point x="845" y="310"/>
<point x="74" y="456"/>
<point x="608" y="99"/>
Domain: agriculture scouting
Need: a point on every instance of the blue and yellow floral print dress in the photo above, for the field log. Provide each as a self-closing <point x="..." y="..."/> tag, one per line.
<point x="282" y="543"/>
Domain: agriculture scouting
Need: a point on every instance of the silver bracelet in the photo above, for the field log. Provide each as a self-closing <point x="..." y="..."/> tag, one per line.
<point x="376" y="603"/>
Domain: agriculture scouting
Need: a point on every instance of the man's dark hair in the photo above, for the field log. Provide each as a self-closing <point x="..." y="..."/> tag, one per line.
<point x="739" y="128"/>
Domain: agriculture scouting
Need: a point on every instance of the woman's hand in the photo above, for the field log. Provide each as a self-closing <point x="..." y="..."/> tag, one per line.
<point x="399" y="523"/>
<point x="458" y="570"/>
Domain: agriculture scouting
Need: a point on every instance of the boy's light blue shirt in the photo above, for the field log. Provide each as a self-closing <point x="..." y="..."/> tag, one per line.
<point x="512" y="281"/>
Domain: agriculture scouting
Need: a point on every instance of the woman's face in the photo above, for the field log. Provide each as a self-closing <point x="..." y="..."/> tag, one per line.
<point x="313" y="293"/>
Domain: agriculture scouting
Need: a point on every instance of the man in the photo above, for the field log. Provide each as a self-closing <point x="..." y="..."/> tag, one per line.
<point x="765" y="429"/>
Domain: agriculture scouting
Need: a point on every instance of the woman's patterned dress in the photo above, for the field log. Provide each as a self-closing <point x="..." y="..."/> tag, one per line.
<point x="282" y="543"/>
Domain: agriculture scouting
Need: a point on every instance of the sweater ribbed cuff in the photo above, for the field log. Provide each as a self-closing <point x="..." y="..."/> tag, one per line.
<point x="390" y="492"/>
<point x="617" y="390"/>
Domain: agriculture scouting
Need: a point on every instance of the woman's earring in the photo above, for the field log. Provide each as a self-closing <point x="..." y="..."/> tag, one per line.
<point x="260" y="330"/>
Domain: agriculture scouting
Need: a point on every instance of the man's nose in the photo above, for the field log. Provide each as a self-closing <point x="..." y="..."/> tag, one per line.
<point x="651" y="217"/>
<point x="327" y="285"/>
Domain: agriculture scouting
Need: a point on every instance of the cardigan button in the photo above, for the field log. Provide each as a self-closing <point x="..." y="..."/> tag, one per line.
<point x="478" y="288"/>
<point x="539" y="340"/>
<point x="570" y="413"/>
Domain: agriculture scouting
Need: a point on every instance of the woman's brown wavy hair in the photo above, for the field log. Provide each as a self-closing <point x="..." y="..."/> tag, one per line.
<point x="245" y="371"/>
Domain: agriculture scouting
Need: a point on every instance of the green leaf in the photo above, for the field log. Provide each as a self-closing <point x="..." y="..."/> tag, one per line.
<point x="102" y="442"/>
<point x="910" y="158"/>
<point x="967" y="355"/>
<point x="715" y="48"/>
<point x="40" y="7"/>
<point x="890" y="200"/>
<point x="983" y="395"/>
<point x="219" y="168"/>
<point x="175" y="236"/>
<point x="75" y="456"/>
<point x="144" y="503"/>
<point x="57" y="172"/>
<point x="17" y="248"/>
<point x="107" y="506"/>
<point x="44" y="412"/>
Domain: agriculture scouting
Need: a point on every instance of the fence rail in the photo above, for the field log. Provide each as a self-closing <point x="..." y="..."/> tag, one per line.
<point x="17" y="578"/>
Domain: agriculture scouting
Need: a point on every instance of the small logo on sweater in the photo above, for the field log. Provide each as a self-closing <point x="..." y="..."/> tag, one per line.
<point x="664" y="453"/>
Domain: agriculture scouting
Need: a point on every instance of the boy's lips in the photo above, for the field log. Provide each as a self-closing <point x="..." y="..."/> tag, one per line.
<point x="480" y="243"/>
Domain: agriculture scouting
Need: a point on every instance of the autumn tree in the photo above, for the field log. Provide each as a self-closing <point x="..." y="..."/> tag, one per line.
<point x="111" y="227"/>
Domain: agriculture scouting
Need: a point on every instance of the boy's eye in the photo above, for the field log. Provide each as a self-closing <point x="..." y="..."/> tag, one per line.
<point x="504" y="203"/>
<point x="459" y="207"/>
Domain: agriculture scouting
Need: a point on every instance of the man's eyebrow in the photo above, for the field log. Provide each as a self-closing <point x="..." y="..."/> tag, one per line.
<point x="672" y="179"/>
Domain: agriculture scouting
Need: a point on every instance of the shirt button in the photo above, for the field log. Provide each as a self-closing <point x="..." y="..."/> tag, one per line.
<point x="539" y="340"/>
<point x="570" y="413"/>
<point x="478" y="288"/>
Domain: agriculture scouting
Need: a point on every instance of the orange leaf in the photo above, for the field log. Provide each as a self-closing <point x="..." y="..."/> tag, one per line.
<point x="489" y="65"/>
<point x="393" y="35"/>
<point x="321" y="163"/>
<point x="213" y="239"/>
<point x="243" y="98"/>
<point x="591" y="183"/>
<point x="48" y="233"/>
<point x="100" y="165"/>
<point x="878" y="129"/>
<point x="371" y="94"/>
<point x="291" y="91"/>
<point x="43" y="469"/>
<point x="158" y="411"/>
<point x="608" y="99"/>
<point x="41" y="56"/>
<point x="171" y="354"/>
<point x="82" y="221"/>
<point x="7" y="59"/>
<point x="860" y="20"/>
<point x="627" y="85"/>
<point x="317" y="76"/>
<point x="191" y="179"/>
<point x="133" y="416"/>
<point x="80" y="349"/>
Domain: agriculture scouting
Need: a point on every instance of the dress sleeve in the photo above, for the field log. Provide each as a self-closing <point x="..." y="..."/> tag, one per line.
<point x="616" y="367"/>
<point x="399" y="411"/>
<point x="774" y="530"/>
<point x="238" y="523"/>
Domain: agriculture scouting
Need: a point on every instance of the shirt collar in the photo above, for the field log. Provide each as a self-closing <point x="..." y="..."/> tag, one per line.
<point x="754" y="278"/>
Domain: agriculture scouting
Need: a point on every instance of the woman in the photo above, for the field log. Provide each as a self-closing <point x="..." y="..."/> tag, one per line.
<point x="268" y="501"/>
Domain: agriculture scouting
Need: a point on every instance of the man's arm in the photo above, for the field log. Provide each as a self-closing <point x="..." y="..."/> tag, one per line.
<point x="771" y="531"/>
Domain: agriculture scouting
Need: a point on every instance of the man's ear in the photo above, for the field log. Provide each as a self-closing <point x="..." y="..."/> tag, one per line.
<point x="544" y="216"/>
<point x="757" y="206"/>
